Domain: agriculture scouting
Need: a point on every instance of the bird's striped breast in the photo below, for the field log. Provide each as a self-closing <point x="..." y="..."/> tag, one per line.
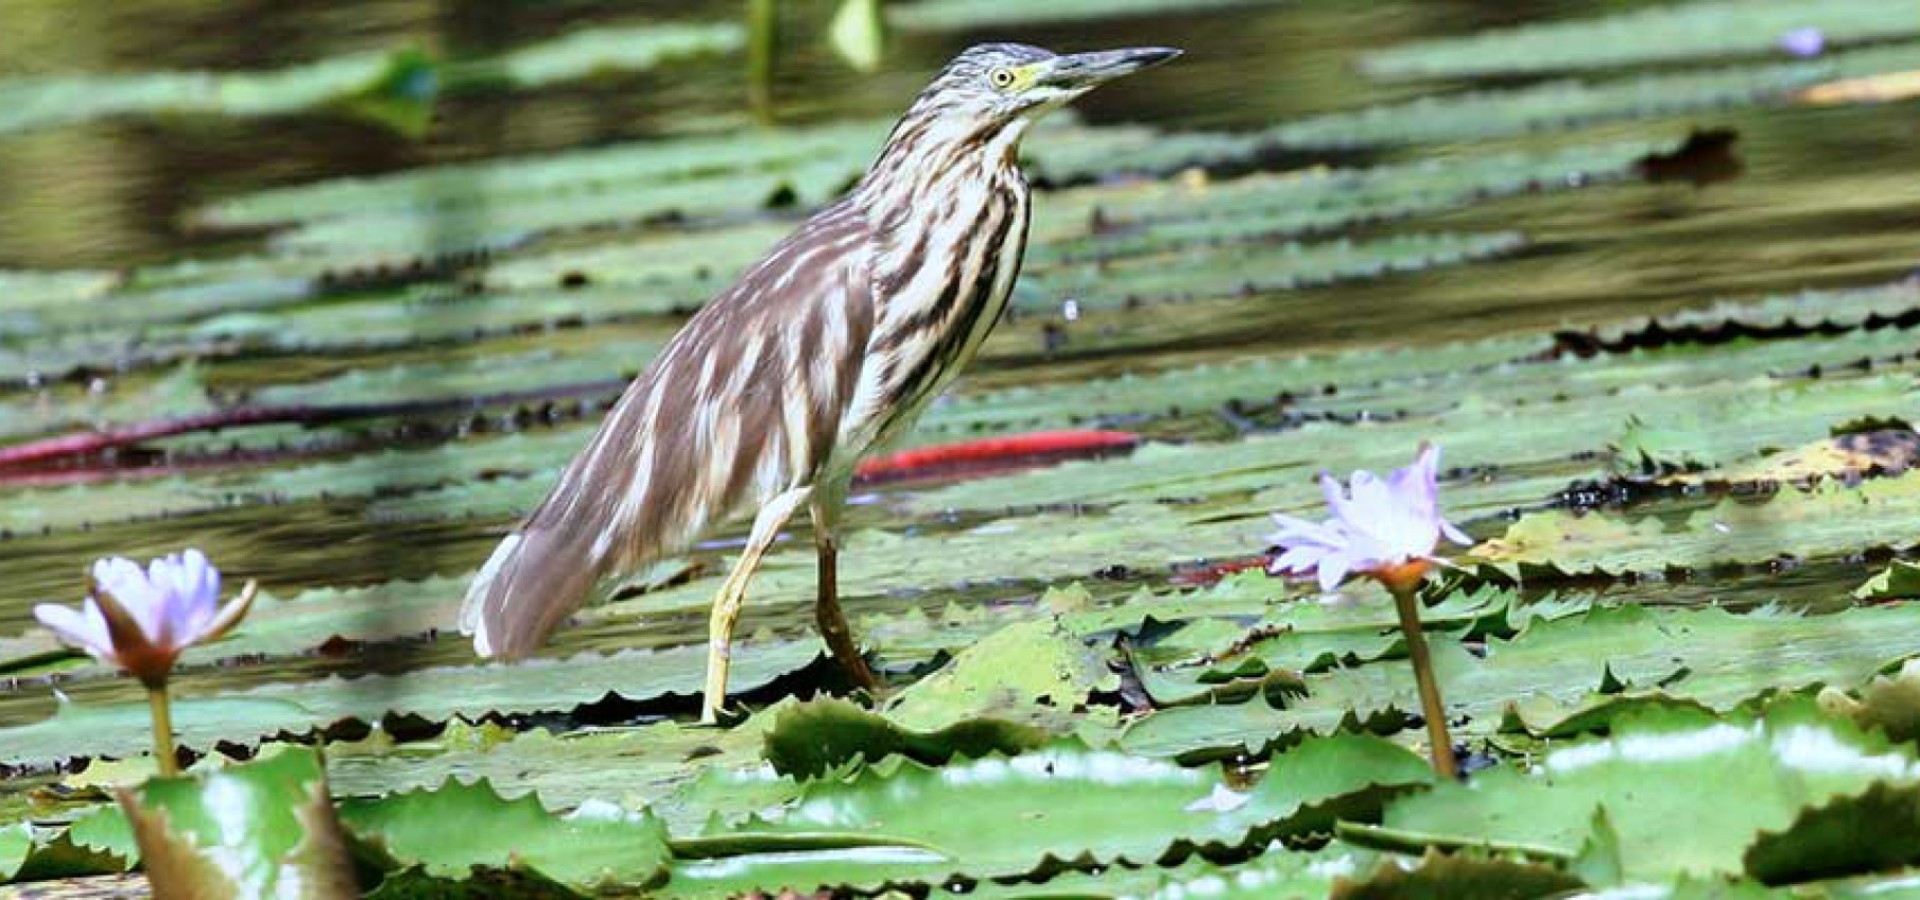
<point x="941" y="285"/>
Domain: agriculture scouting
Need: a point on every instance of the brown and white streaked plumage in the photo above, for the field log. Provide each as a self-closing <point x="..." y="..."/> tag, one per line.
<point x="826" y="349"/>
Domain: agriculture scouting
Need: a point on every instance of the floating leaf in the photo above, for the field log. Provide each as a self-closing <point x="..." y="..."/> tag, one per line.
<point x="1701" y="29"/>
<point x="953" y="15"/>
<point x="1547" y="544"/>
<point x="260" y="829"/>
<point x="1846" y="456"/>
<point x="85" y="729"/>
<point x="1874" y="831"/>
<point x="1899" y="580"/>
<point x="1564" y="104"/>
<point x="1786" y="315"/>
<point x="1647" y="777"/>
<point x="589" y="52"/>
<point x="1889" y="704"/>
<point x="1106" y="221"/>
<point x="1550" y="677"/>
<point x="37" y="102"/>
<point x="1277" y="872"/>
<point x="1050" y="805"/>
<point x="1466" y="876"/>
<point x="597" y="844"/>
<point x="99" y="841"/>
<point x="636" y="767"/>
<point x="1026" y="664"/>
<point x="1205" y="272"/>
<point x="379" y="82"/>
<point x="814" y="738"/>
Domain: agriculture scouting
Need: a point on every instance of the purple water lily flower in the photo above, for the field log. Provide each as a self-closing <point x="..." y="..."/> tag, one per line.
<point x="1804" y="42"/>
<point x="1379" y="526"/>
<point x="140" y="620"/>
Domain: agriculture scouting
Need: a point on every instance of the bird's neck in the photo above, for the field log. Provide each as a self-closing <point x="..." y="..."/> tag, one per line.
<point x="926" y="160"/>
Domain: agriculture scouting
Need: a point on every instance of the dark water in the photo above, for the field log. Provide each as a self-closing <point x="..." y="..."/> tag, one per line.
<point x="1824" y="197"/>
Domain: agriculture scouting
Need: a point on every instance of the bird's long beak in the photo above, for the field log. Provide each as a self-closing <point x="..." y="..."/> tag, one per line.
<point x="1085" y="70"/>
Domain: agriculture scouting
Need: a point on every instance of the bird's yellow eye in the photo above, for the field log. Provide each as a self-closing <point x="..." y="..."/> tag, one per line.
<point x="1001" y="77"/>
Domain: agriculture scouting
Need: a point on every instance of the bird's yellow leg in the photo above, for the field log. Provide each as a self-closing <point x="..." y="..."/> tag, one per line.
<point x="826" y="609"/>
<point x="733" y="592"/>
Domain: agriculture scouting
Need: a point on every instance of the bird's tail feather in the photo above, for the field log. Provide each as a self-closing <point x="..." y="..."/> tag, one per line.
<point x="533" y="580"/>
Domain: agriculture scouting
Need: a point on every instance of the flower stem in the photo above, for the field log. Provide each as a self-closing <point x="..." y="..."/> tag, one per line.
<point x="162" y="730"/>
<point x="1407" y="601"/>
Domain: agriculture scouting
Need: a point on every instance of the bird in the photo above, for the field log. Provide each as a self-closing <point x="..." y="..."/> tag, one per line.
<point x="825" y="350"/>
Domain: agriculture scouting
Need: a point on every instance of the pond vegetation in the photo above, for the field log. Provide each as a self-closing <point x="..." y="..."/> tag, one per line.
<point x="336" y="310"/>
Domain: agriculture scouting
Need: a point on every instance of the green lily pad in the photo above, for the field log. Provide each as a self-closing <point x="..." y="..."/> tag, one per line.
<point x="1787" y="314"/>
<point x="86" y="729"/>
<point x="1702" y="29"/>
<point x="597" y="844"/>
<point x="99" y="841"/>
<point x="261" y="829"/>
<point x="817" y="737"/>
<point x="1564" y="104"/>
<point x="1889" y="704"/>
<point x="1465" y="876"/>
<point x="1014" y="689"/>
<point x="635" y="767"/>
<point x="1899" y="580"/>
<point x="1648" y="777"/>
<point x="1277" y="872"/>
<point x="1548" y="544"/>
<point x="954" y="15"/>
<point x="1874" y="831"/>
<point x="1560" y="676"/>
<point x="1026" y="664"/>
<point x="38" y="102"/>
<point x="1050" y="805"/>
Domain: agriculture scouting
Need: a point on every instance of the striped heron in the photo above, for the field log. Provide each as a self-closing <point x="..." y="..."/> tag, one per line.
<point x="826" y="349"/>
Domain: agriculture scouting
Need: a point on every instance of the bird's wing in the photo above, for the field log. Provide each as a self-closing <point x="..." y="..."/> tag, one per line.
<point x="743" y="403"/>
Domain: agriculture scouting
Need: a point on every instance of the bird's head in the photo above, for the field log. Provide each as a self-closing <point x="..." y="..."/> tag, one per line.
<point x="1007" y="83"/>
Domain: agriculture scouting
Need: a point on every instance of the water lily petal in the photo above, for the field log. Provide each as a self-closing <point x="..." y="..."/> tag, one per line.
<point x="229" y="616"/>
<point x="82" y="628"/>
<point x="1333" y="570"/>
<point x="1294" y="531"/>
<point x="1336" y="494"/>
<point x="133" y="589"/>
<point x="192" y="596"/>
<point x="1416" y="485"/>
<point x="145" y="659"/>
<point x="1303" y="558"/>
